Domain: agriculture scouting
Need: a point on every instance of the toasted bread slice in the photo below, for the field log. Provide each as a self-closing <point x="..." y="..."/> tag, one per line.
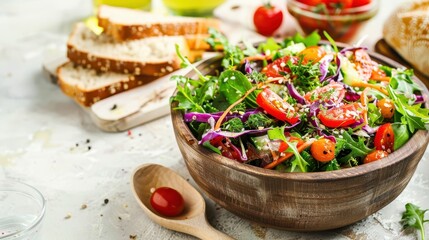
<point x="128" y="24"/>
<point x="154" y="56"/>
<point x="87" y="86"/>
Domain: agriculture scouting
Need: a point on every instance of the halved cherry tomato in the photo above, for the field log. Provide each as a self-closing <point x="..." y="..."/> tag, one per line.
<point x="167" y="201"/>
<point x="358" y="3"/>
<point x="342" y="116"/>
<point x="323" y="150"/>
<point x="284" y="146"/>
<point x="311" y="2"/>
<point x="331" y="93"/>
<point x="374" y="156"/>
<point x="267" y="19"/>
<point x="274" y="105"/>
<point x="279" y="66"/>
<point x="312" y="54"/>
<point x="387" y="107"/>
<point x="225" y="147"/>
<point x="384" y="138"/>
<point x="338" y="4"/>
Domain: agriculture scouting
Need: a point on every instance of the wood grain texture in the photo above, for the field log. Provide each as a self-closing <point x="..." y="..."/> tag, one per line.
<point x="300" y="201"/>
<point x="192" y="220"/>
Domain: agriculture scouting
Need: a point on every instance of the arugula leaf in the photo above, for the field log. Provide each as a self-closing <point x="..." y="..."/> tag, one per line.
<point x="278" y="134"/>
<point x="414" y="217"/>
<point x="401" y="134"/>
<point x="356" y="148"/>
<point x="232" y="53"/>
<point x="194" y="95"/>
<point x="186" y="63"/>
<point x="233" y="85"/>
<point x="374" y="115"/>
<point x="332" y="165"/>
<point x="414" y="116"/>
<point x="402" y="82"/>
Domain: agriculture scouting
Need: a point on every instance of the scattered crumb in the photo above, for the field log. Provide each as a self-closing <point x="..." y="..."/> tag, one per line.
<point x="133" y="236"/>
<point x="77" y="144"/>
<point x="68" y="216"/>
<point x="140" y="134"/>
<point x="88" y="140"/>
<point x="125" y="205"/>
<point x="89" y="148"/>
<point x="187" y="179"/>
<point x="113" y="107"/>
<point x="235" y="7"/>
<point x="129" y="133"/>
<point x="106" y="201"/>
<point x="84" y="206"/>
<point x="119" y="217"/>
<point x="101" y="215"/>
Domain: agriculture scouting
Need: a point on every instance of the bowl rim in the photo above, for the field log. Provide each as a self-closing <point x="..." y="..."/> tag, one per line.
<point x="28" y="191"/>
<point x="397" y="156"/>
<point x="354" y="13"/>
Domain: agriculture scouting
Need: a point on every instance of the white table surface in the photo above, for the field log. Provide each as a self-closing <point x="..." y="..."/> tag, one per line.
<point x="43" y="142"/>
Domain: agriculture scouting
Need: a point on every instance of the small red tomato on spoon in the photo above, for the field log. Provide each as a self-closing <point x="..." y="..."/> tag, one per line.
<point x="167" y="201"/>
<point x="267" y="19"/>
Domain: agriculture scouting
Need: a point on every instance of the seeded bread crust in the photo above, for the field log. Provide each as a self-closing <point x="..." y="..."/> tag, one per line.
<point x="121" y="31"/>
<point x="87" y="97"/>
<point x="102" y="63"/>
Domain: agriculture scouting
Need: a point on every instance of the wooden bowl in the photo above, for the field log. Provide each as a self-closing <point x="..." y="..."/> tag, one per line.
<point x="299" y="201"/>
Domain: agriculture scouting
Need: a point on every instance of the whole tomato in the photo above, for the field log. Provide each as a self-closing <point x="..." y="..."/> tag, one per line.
<point x="267" y="19"/>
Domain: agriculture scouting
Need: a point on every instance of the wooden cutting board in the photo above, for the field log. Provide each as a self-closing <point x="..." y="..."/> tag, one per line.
<point x="131" y="108"/>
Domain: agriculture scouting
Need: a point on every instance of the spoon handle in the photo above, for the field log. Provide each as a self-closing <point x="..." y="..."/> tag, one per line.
<point x="206" y="231"/>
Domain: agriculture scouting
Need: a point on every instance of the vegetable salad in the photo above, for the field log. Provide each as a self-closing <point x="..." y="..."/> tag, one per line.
<point x="296" y="105"/>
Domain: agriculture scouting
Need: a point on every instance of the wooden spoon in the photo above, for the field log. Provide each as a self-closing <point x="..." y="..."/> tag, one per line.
<point x="192" y="220"/>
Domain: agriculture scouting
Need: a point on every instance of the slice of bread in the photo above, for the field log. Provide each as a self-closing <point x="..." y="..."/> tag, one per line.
<point x="154" y="56"/>
<point x="86" y="86"/>
<point x="128" y="24"/>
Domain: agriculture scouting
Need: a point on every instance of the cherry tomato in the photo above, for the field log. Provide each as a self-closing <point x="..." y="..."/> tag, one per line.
<point x="374" y="156"/>
<point x="279" y="66"/>
<point x="323" y="150"/>
<point x="267" y="19"/>
<point x="225" y="147"/>
<point x="331" y="93"/>
<point x="387" y="107"/>
<point x="274" y="105"/>
<point x="359" y="3"/>
<point x="384" y="138"/>
<point x="338" y="4"/>
<point x="167" y="201"/>
<point x="312" y="54"/>
<point x="342" y="116"/>
<point x="311" y="2"/>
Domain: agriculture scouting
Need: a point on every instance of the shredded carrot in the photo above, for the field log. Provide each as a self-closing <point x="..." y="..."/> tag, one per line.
<point x="220" y="120"/>
<point x="255" y="58"/>
<point x="364" y="101"/>
<point x="380" y="79"/>
<point x="289" y="154"/>
<point x="376" y="87"/>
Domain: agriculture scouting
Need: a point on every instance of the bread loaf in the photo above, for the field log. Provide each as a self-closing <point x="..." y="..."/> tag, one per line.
<point x="154" y="56"/>
<point x="407" y="31"/>
<point x="128" y="24"/>
<point x="86" y="86"/>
